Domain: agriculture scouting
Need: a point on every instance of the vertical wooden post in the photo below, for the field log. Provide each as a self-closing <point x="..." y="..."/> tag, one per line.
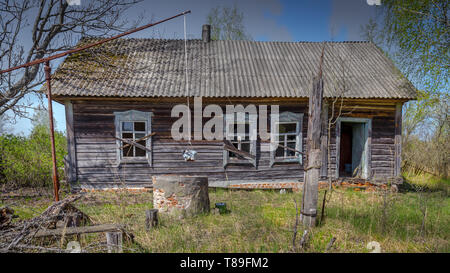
<point x="312" y="170"/>
<point x="52" y="130"/>
<point x="398" y="140"/>
<point x="151" y="218"/>
<point x="71" y="149"/>
<point x="114" y="242"/>
<point x="324" y="140"/>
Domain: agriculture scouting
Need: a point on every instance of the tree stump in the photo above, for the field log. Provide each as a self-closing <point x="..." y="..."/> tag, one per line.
<point x="181" y="195"/>
<point x="114" y="242"/>
<point x="151" y="218"/>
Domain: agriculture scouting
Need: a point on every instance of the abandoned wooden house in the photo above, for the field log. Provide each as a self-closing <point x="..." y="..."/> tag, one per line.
<point x="124" y="91"/>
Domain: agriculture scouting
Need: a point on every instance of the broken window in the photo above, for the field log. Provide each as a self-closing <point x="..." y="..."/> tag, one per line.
<point x="238" y="132"/>
<point x="288" y="141"/>
<point x="133" y="129"/>
<point x="287" y="138"/>
<point x="240" y="141"/>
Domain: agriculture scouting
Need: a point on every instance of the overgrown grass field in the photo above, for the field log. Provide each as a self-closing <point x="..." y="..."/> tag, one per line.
<point x="263" y="221"/>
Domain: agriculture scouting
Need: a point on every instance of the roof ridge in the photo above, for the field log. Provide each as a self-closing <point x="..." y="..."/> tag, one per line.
<point x="251" y="41"/>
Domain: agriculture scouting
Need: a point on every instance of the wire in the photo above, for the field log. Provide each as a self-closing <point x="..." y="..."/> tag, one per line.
<point x="187" y="80"/>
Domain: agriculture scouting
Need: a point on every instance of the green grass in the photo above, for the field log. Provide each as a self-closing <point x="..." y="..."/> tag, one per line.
<point x="263" y="221"/>
<point x="428" y="182"/>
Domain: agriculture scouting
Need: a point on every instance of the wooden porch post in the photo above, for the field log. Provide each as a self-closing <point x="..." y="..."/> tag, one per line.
<point x="398" y="140"/>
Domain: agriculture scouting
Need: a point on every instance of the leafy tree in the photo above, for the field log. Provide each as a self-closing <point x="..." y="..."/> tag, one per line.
<point x="415" y="34"/>
<point x="418" y="30"/>
<point x="27" y="161"/>
<point x="227" y="24"/>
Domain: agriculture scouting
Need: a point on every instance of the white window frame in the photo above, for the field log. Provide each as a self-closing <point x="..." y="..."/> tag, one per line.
<point x="133" y="116"/>
<point x="285" y="118"/>
<point x="226" y="154"/>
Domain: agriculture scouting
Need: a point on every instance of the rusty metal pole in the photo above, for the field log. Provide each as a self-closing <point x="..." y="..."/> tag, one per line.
<point x="52" y="130"/>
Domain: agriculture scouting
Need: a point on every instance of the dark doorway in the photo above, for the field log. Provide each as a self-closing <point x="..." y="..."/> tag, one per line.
<point x="351" y="154"/>
<point x="345" y="162"/>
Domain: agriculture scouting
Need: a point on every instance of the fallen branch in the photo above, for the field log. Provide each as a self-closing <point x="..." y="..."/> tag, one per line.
<point x="142" y="138"/>
<point x="304" y="239"/>
<point x="133" y="143"/>
<point x="330" y="244"/>
<point x="79" y="230"/>
<point x="57" y="212"/>
<point x="40" y="248"/>
<point x="230" y="147"/>
<point x="290" y="149"/>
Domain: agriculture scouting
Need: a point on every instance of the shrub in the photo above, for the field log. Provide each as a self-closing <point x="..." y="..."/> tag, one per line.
<point x="27" y="161"/>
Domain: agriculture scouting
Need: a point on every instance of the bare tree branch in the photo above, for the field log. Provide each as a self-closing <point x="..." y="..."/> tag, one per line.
<point x="56" y="26"/>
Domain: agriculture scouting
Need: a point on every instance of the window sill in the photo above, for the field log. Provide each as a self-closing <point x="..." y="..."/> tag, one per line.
<point x="139" y="160"/>
<point x="287" y="160"/>
<point x="239" y="161"/>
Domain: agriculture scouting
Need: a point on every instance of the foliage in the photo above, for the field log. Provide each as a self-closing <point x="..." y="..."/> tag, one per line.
<point x="416" y="36"/>
<point x="227" y="24"/>
<point x="27" y="161"/>
<point x="419" y="32"/>
<point x="426" y="136"/>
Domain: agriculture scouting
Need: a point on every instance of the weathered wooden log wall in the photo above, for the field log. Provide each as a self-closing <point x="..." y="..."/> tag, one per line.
<point x="95" y="146"/>
<point x="382" y="148"/>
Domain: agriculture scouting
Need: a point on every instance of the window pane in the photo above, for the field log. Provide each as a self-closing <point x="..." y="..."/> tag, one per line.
<point x="288" y="128"/>
<point x="127" y="151"/>
<point x="127" y="135"/>
<point x="139" y="135"/>
<point x="139" y="126"/>
<point x="281" y="139"/>
<point x="245" y="147"/>
<point x="289" y="152"/>
<point x="127" y="126"/>
<point x="291" y="138"/>
<point x="279" y="152"/>
<point x="140" y="152"/>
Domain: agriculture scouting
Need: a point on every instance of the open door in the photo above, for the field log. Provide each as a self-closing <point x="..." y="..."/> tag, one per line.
<point x="352" y="141"/>
<point x="358" y="145"/>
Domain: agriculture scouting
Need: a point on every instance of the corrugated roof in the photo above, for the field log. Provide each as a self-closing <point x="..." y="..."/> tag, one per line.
<point x="156" y="68"/>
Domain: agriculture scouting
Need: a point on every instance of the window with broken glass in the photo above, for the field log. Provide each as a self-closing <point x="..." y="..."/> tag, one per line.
<point x="238" y="134"/>
<point x="240" y="140"/>
<point x="133" y="126"/>
<point x="134" y="131"/>
<point x="289" y="138"/>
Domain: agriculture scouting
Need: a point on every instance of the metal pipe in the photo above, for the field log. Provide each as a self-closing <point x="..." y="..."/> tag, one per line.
<point x="52" y="131"/>
<point x="43" y="60"/>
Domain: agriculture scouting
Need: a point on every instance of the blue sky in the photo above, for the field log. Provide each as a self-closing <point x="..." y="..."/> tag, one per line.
<point x="265" y="20"/>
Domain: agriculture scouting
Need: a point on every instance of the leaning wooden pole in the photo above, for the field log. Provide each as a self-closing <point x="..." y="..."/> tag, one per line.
<point x="312" y="170"/>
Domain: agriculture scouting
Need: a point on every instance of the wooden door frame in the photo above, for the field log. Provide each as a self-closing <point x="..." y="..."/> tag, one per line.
<point x="367" y="145"/>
